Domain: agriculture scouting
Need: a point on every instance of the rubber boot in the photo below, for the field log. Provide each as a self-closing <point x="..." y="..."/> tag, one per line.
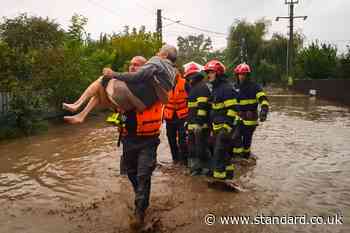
<point x="230" y="172"/>
<point x="138" y="220"/>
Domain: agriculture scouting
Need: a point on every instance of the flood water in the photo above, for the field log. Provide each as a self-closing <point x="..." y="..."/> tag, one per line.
<point x="303" y="167"/>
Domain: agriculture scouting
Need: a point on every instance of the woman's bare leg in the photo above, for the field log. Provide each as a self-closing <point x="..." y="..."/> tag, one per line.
<point x="99" y="100"/>
<point x="80" y="117"/>
<point x="91" y="91"/>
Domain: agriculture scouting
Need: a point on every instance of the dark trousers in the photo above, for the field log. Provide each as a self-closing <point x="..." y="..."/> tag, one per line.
<point x="122" y="167"/>
<point x="221" y="156"/>
<point x="198" y="149"/>
<point x="244" y="141"/>
<point x="140" y="165"/>
<point x="176" y="134"/>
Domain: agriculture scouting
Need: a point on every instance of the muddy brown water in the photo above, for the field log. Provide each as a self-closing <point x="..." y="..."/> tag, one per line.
<point x="67" y="180"/>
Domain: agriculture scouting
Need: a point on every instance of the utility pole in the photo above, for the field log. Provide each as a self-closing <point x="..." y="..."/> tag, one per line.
<point x="291" y="17"/>
<point x="159" y="25"/>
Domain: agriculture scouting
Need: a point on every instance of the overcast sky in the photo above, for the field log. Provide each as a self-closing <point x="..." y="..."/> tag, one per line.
<point x="326" y="18"/>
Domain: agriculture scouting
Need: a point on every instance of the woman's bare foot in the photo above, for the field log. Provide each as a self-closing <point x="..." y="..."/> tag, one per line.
<point x="70" y="107"/>
<point x="73" y="119"/>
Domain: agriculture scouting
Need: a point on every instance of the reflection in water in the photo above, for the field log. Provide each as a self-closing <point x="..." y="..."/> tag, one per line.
<point x="303" y="165"/>
<point x="63" y="163"/>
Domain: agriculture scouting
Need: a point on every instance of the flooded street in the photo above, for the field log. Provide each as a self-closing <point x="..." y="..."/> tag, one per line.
<point x="67" y="180"/>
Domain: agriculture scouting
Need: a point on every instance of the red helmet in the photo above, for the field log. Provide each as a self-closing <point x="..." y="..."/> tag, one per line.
<point x="242" y="69"/>
<point x="191" y="69"/>
<point x="216" y="66"/>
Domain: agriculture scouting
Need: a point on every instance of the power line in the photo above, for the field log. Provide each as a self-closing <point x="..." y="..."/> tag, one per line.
<point x="149" y="11"/>
<point x="188" y="33"/>
<point x="194" y="27"/>
<point x="105" y="8"/>
<point x="179" y="22"/>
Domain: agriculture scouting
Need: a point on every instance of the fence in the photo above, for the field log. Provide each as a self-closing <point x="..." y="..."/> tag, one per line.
<point x="4" y="102"/>
<point x="336" y="90"/>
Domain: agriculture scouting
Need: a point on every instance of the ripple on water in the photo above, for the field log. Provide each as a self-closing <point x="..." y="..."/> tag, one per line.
<point x="303" y="164"/>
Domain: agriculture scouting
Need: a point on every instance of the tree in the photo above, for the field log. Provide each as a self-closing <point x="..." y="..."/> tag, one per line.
<point x="317" y="61"/>
<point x="76" y="31"/>
<point x="246" y="37"/>
<point x="25" y="36"/>
<point x="24" y="33"/>
<point x="126" y="45"/>
<point x="217" y="55"/>
<point x="274" y="52"/>
<point x="42" y="65"/>
<point x="267" y="72"/>
<point x="344" y="65"/>
<point x="194" y="48"/>
<point x="6" y="65"/>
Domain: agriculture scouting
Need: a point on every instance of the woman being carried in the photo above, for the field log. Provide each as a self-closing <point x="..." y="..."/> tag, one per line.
<point x="129" y="91"/>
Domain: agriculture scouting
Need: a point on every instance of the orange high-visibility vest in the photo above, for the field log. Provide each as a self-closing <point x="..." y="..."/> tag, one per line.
<point x="149" y="121"/>
<point x="177" y="102"/>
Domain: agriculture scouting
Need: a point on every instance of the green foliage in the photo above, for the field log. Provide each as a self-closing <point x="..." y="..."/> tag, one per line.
<point x="267" y="72"/>
<point x="43" y="66"/>
<point x="8" y="127"/>
<point x="27" y="107"/>
<point x="20" y="40"/>
<point x="275" y="52"/>
<point x="317" y="61"/>
<point x="63" y="74"/>
<point x="267" y="57"/>
<point x="77" y="30"/>
<point x="194" y="48"/>
<point x="248" y="36"/>
<point x="24" y="33"/>
<point x="6" y="59"/>
<point x="344" y="65"/>
<point x="129" y="44"/>
<point x="246" y="43"/>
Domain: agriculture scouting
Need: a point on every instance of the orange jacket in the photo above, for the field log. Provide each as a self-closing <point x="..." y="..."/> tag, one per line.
<point x="177" y="102"/>
<point x="148" y="122"/>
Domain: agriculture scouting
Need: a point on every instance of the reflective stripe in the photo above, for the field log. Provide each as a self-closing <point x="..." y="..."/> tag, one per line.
<point x="175" y="106"/>
<point x="182" y="113"/>
<point x="230" y="167"/>
<point x="220" y="126"/>
<point x="219" y="175"/>
<point x="192" y="104"/>
<point x="250" y="123"/>
<point x="112" y="118"/>
<point x="246" y="150"/>
<point x="264" y="102"/>
<point x="201" y="112"/>
<point x="230" y="102"/>
<point x="225" y="104"/>
<point x="196" y="126"/>
<point x="248" y="101"/>
<point x="238" y="150"/>
<point x="116" y="119"/>
<point x="260" y="94"/>
<point x="217" y="106"/>
<point x="231" y="113"/>
<point x="202" y="99"/>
